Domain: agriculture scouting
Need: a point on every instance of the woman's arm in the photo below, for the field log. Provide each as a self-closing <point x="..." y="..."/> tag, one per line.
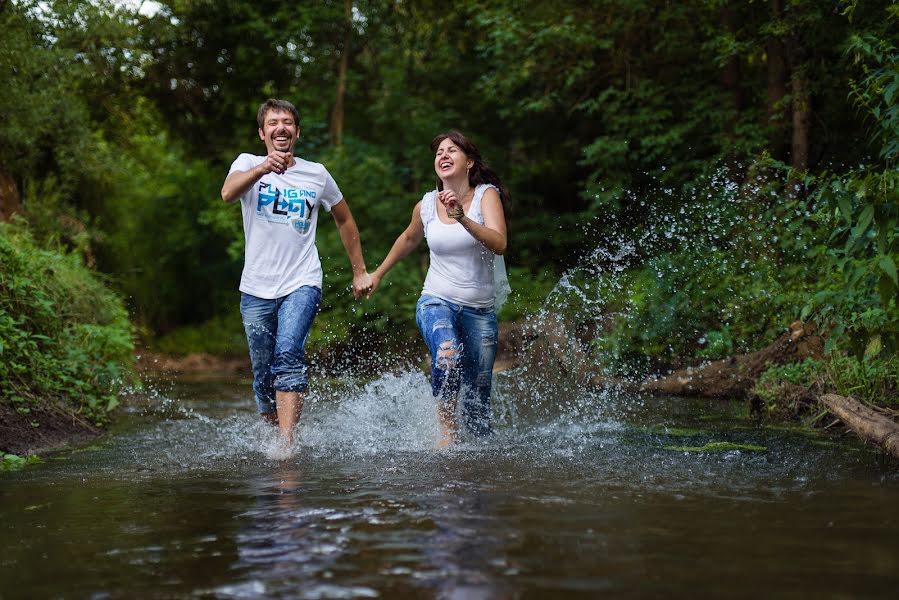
<point x="404" y="244"/>
<point x="492" y="234"/>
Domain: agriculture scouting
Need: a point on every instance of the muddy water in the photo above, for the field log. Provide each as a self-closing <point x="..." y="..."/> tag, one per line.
<point x="598" y="495"/>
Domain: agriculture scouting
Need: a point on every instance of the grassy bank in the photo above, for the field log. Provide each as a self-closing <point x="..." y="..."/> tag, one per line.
<point x="65" y="344"/>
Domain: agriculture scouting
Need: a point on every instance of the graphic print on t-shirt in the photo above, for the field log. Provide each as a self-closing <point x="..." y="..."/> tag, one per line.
<point x="287" y="206"/>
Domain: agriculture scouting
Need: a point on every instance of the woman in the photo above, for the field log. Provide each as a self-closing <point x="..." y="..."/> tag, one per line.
<point x="465" y="221"/>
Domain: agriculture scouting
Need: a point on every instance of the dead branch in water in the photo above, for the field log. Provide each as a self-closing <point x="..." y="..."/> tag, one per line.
<point x="866" y="422"/>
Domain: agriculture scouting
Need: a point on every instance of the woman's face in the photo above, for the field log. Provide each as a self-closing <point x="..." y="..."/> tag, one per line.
<point x="450" y="161"/>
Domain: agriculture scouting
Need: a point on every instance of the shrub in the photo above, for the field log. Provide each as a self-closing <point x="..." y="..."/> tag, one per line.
<point x="64" y="335"/>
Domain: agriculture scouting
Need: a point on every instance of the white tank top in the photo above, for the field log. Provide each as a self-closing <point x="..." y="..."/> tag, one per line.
<point x="461" y="268"/>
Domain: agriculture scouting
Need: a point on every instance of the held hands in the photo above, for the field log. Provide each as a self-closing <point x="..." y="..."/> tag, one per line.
<point x="276" y="162"/>
<point x="363" y="285"/>
<point x="451" y="202"/>
<point x="375" y="282"/>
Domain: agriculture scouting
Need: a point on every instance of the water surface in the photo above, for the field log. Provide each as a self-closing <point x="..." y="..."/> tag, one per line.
<point x="579" y="495"/>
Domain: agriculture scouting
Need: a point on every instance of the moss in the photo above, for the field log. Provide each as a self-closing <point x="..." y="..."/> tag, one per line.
<point x="718" y="447"/>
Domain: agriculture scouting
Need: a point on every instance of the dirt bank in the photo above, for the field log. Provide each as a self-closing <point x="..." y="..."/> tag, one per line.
<point x="47" y="427"/>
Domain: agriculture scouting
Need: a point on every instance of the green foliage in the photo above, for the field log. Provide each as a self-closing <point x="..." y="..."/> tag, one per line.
<point x="857" y="299"/>
<point x="872" y="379"/>
<point x="529" y="292"/>
<point x="878" y="91"/>
<point x="726" y="273"/>
<point x="63" y="334"/>
<point x="118" y="129"/>
<point x="14" y="462"/>
<point x="780" y="384"/>
<point x="222" y="335"/>
<point x="859" y="302"/>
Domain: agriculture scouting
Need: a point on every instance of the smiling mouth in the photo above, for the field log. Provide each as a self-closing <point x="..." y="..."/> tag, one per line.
<point x="281" y="138"/>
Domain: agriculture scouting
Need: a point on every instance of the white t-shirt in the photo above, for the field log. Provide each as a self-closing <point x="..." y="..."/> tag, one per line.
<point x="461" y="269"/>
<point x="280" y="215"/>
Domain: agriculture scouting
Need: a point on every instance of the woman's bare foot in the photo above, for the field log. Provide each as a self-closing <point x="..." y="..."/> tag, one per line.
<point x="445" y="441"/>
<point x="447" y="422"/>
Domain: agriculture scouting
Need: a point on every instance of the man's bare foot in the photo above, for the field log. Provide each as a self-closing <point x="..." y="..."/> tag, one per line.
<point x="290" y="407"/>
<point x="270" y="418"/>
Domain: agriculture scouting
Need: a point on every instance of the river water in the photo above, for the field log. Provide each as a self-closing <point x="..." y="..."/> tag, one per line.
<point x="582" y="496"/>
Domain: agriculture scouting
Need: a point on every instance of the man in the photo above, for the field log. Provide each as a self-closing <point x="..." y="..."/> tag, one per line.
<point x="280" y="195"/>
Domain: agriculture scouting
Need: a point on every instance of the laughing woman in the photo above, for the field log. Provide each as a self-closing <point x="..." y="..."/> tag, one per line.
<point x="465" y="221"/>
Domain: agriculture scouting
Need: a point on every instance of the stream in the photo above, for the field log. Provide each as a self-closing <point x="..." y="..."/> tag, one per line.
<point x="589" y="494"/>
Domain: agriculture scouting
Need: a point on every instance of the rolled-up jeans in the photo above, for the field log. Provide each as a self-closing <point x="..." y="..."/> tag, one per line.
<point x="276" y="334"/>
<point x="469" y="335"/>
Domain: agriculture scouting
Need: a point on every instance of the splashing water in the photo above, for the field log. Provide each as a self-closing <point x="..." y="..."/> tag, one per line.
<point x="576" y="335"/>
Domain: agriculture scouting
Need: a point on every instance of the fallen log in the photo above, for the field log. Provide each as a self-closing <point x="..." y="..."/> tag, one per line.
<point x="867" y="423"/>
<point x="734" y="377"/>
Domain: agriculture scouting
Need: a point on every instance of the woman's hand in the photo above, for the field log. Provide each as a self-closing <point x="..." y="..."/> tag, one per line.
<point x="375" y="282"/>
<point x="451" y="203"/>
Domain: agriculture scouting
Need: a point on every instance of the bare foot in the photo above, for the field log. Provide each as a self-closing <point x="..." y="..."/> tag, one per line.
<point x="446" y="420"/>
<point x="270" y="418"/>
<point x="445" y="441"/>
<point x="447" y="434"/>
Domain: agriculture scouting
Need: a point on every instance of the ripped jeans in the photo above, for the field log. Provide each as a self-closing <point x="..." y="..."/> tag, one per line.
<point x="463" y="342"/>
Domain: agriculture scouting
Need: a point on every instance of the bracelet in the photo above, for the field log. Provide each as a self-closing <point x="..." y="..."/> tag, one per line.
<point x="455" y="213"/>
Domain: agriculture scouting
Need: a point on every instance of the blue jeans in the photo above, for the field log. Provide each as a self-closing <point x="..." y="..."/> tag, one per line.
<point x="462" y="341"/>
<point x="276" y="334"/>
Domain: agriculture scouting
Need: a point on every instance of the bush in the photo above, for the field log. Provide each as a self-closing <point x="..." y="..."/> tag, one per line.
<point x="64" y="335"/>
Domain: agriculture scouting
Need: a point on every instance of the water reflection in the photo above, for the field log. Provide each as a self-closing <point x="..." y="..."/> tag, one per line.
<point x="463" y="556"/>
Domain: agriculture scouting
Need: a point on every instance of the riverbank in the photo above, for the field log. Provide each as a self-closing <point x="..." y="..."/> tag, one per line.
<point x="46" y="427"/>
<point x="784" y="382"/>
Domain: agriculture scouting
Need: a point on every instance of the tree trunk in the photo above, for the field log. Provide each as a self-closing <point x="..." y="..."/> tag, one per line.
<point x="801" y="119"/>
<point x="777" y="114"/>
<point x="730" y="76"/>
<point x="868" y="424"/>
<point x="10" y="200"/>
<point x="799" y="91"/>
<point x="337" y="114"/>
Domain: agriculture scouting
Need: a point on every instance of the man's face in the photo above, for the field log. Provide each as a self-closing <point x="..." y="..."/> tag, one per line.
<point x="279" y="131"/>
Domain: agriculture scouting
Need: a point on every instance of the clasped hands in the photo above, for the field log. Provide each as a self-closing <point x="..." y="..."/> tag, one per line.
<point x="451" y="203"/>
<point x="277" y="162"/>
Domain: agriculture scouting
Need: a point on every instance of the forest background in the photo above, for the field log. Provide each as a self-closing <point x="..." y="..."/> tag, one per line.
<point x="768" y="132"/>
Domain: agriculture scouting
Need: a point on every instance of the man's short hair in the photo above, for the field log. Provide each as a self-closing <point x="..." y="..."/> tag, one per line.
<point x="274" y="104"/>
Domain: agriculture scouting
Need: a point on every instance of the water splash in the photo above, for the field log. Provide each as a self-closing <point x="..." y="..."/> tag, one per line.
<point x="549" y="402"/>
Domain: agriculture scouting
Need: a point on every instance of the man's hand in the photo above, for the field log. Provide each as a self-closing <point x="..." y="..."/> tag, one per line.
<point x="276" y="162"/>
<point x="362" y="285"/>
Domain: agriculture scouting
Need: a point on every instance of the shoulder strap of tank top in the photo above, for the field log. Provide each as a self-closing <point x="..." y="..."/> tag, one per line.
<point x="475" y="210"/>
<point x="428" y="209"/>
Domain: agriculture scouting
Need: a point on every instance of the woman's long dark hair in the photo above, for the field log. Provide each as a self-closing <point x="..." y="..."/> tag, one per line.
<point x="480" y="172"/>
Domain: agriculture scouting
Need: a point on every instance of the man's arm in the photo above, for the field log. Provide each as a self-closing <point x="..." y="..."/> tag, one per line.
<point x="238" y="182"/>
<point x="349" y="236"/>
